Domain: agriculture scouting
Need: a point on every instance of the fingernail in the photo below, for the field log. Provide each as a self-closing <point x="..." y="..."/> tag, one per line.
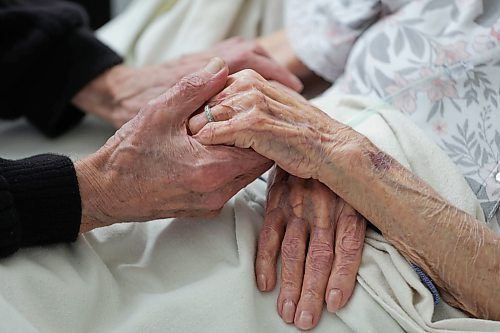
<point x="288" y="311"/>
<point x="305" y="321"/>
<point x="261" y="282"/>
<point x="334" y="300"/>
<point x="215" y="65"/>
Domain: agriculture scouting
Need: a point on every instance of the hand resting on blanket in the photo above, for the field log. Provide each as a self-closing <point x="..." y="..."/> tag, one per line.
<point x="321" y="240"/>
<point x="459" y="253"/>
<point x="303" y="215"/>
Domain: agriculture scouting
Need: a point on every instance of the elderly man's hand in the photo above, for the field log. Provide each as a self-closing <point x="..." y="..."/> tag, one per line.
<point x="321" y="240"/>
<point x="119" y="93"/>
<point x="151" y="168"/>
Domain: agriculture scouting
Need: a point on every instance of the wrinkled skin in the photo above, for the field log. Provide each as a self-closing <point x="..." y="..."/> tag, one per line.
<point x="321" y="240"/>
<point x="334" y="230"/>
<point x="457" y="251"/>
<point x="119" y="93"/>
<point x="151" y="168"/>
<point x="252" y="112"/>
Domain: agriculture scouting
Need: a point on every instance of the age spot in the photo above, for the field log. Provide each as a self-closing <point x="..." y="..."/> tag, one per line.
<point x="381" y="161"/>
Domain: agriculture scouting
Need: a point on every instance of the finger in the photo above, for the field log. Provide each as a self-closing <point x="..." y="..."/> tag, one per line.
<point x="349" y="240"/>
<point x="319" y="257"/>
<point x="279" y="86"/>
<point x="317" y="270"/>
<point x="292" y="256"/>
<point x="227" y="132"/>
<point x="271" y="70"/>
<point x="232" y="99"/>
<point x="270" y="238"/>
<point x="219" y="113"/>
<point x="292" y="267"/>
<point x="191" y="92"/>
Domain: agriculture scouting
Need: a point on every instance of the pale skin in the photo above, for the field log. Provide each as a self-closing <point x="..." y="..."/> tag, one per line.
<point x="119" y="93"/>
<point x="299" y="211"/>
<point x="320" y="248"/>
<point x="457" y="251"/>
<point x="151" y="168"/>
<point x="320" y="238"/>
<point x="348" y="242"/>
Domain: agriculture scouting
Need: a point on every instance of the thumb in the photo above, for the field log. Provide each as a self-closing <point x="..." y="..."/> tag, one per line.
<point x="193" y="90"/>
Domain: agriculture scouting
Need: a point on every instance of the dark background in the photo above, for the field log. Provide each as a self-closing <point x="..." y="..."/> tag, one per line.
<point x="99" y="11"/>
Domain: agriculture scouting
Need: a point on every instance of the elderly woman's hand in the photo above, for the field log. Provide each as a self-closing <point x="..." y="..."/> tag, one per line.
<point x="298" y="211"/>
<point x="321" y="240"/>
<point x="254" y="113"/>
<point x="119" y="93"/>
<point x="151" y="168"/>
<point x="422" y="225"/>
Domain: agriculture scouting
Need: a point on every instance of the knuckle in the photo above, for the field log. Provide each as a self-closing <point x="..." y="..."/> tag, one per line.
<point x="267" y="234"/>
<point x="320" y="257"/>
<point x="344" y="268"/>
<point x="192" y="82"/>
<point x="311" y="294"/>
<point x="352" y="239"/>
<point x="249" y="74"/>
<point x="258" y="121"/>
<point x="264" y="256"/>
<point x="289" y="285"/>
<point x="255" y="95"/>
<point x="292" y="249"/>
<point x="226" y="113"/>
<point x="350" y="244"/>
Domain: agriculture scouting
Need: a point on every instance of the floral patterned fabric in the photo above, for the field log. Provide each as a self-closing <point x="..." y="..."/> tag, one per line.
<point x="437" y="61"/>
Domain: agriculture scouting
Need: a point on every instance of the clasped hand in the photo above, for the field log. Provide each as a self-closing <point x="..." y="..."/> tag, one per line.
<point x="151" y="168"/>
<point x="319" y="235"/>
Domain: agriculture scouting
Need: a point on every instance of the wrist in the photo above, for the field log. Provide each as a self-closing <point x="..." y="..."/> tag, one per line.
<point x="94" y="193"/>
<point x="342" y="152"/>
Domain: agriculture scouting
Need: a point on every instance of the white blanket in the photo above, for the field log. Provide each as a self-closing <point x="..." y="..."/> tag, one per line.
<point x="152" y="31"/>
<point x="196" y="275"/>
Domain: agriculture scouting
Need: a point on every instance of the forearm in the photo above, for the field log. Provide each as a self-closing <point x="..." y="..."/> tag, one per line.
<point x="459" y="253"/>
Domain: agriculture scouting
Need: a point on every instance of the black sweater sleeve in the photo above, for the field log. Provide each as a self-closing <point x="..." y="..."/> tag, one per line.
<point x="47" y="54"/>
<point x="39" y="202"/>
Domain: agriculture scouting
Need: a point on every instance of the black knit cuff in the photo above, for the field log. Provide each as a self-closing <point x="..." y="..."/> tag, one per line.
<point x="46" y="198"/>
<point x="88" y="59"/>
<point x="9" y="222"/>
